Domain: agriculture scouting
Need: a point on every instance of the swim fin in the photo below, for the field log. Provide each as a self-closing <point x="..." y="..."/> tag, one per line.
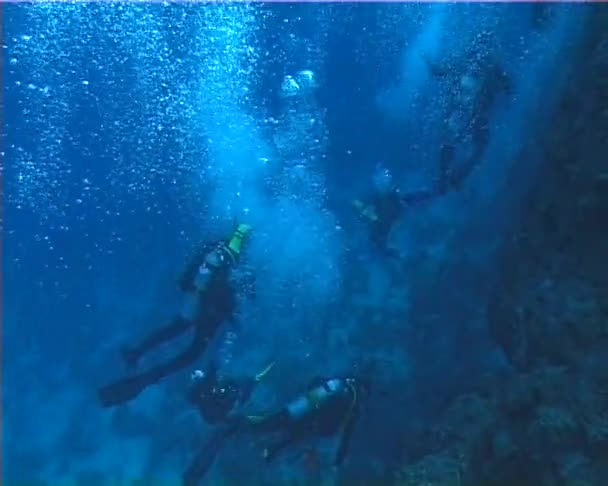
<point x="121" y="391"/>
<point x="204" y="460"/>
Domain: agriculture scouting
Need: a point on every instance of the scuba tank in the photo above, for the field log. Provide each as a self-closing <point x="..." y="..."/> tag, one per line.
<point x="315" y="398"/>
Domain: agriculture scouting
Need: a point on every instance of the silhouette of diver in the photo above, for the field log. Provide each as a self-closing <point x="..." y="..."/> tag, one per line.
<point x="474" y="83"/>
<point x="210" y="301"/>
<point x="328" y="407"/>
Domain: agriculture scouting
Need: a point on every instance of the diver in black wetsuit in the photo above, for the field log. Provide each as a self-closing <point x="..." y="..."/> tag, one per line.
<point x="381" y="210"/>
<point x="384" y="208"/>
<point x="329" y="407"/>
<point x="215" y="395"/>
<point x="210" y="301"/>
<point x="474" y="83"/>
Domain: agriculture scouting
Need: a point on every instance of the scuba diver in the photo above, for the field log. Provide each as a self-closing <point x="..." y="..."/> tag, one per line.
<point x="215" y="395"/>
<point x="381" y="211"/>
<point x="209" y="301"/>
<point x="383" y="208"/>
<point x="474" y="83"/>
<point x="328" y="407"/>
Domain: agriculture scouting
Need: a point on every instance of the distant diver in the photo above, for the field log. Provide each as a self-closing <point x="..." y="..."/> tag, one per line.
<point x="474" y="84"/>
<point x="385" y="205"/>
<point x="381" y="210"/>
<point x="328" y="407"/>
<point x="210" y="300"/>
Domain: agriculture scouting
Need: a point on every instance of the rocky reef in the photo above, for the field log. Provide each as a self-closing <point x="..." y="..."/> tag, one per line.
<point x="544" y="420"/>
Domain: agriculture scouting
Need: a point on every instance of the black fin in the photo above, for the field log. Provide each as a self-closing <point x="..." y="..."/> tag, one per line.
<point x="121" y="391"/>
<point x="206" y="456"/>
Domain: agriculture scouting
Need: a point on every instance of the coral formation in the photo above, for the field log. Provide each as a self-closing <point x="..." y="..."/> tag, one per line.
<point x="544" y="421"/>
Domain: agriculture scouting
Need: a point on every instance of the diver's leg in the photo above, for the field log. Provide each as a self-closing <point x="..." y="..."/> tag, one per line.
<point x="132" y="354"/>
<point x="481" y="136"/>
<point x="128" y="388"/>
<point x="177" y="363"/>
<point x="379" y="235"/>
<point x="204" y="459"/>
<point x="271" y="451"/>
<point x="446" y="161"/>
<point x="480" y="141"/>
<point x="416" y="197"/>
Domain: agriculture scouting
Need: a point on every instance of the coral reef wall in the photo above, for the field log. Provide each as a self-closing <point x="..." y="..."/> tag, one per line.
<point x="544" y="420"/>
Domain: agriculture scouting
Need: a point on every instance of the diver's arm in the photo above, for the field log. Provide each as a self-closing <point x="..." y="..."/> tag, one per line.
<point x="186" y="279"/>
<point x="413" y="198"/>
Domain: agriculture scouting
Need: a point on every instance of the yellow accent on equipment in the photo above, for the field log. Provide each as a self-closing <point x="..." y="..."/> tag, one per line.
<point x="236" y="242"/>
<point x="255" y="419"/>
<point x="368" y="211"/>
<point x="264" y="372"/>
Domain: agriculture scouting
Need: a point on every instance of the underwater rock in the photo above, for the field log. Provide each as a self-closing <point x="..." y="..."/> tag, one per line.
<point x="445" y="469"/>
<point x="554" y="320"/>
<point x="554" y="429"/>
<point x="545" y="422"/>
<point x="574" y="469"/>
<point x="503" y="445"/>
<point x="516" y="469"/>
<point x="470" y="416"/>
<point x="517" y="398"/>
<point x="553" y="385"/>
<point x="596" y="431"/>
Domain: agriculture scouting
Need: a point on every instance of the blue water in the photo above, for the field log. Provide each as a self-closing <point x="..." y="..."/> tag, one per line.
<point x="134" y="131"/>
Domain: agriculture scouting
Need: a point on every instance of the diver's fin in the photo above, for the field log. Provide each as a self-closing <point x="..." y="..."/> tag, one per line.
<point x="206" y="456"/>
<point x="121" y="391"/>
